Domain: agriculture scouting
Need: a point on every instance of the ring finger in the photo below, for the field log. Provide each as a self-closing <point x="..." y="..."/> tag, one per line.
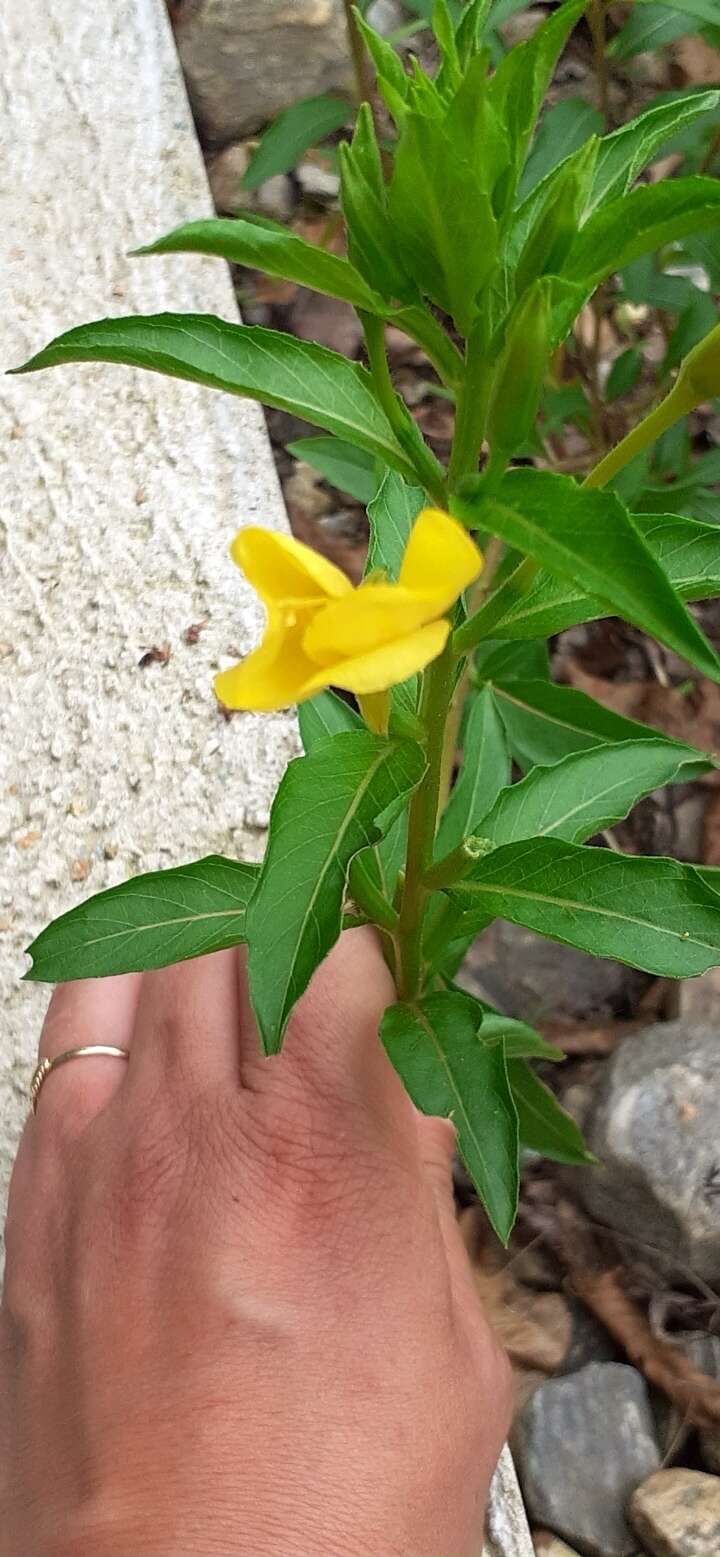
<point x="84" y="1012"/>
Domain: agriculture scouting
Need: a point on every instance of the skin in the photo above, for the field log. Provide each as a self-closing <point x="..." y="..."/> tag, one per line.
<point x="238" y="1316"/>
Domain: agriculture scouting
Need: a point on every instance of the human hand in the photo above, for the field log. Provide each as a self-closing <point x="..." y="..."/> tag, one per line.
<point x="238" y="1316"/>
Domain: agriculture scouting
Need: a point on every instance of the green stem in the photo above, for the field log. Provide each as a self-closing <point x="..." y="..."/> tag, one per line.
<point x="419" y="324"/>
<point x="669" y="411"/>
<point x="421" y="826"/>
<point x="429" y="472"/>
<point x="453" y="866"/>
<point x="493" y="610"/>
<point x="371" y="902"/>
<point x="472" y="407"/>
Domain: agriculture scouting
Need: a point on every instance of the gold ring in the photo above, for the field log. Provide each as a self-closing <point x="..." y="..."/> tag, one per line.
<point x="43" y="1069"/>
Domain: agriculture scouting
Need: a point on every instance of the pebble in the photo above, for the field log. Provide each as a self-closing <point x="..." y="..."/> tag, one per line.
<point x="317" y="182"/>
<point x="582" y="1445"/>
<point x="385" y="16"/>
<point x="654" y="1128"/>
<point x="676" y="1513"/>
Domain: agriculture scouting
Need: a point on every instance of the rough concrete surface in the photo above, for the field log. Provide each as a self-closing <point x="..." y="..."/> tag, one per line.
<point x="119" y="494"/>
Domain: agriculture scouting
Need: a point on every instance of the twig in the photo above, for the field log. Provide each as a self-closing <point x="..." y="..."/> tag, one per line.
<point x="596" y="22"/>
<point x="694" y="1393"/>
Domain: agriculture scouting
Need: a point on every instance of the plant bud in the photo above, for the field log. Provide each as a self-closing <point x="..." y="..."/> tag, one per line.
<point x="557" y="222"/>
<point x="520" y="371"/>
<point x="699" y="376"/>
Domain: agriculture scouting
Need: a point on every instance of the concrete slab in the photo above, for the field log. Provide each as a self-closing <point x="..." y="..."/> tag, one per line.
<point x="120" y="492"/>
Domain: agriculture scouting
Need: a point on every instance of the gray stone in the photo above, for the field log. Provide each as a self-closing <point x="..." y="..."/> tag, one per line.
<point x="245" y="61"/>
<point x="535" y="979"/>
<point x="385" y="16"/>
<point x="676" y="1513"/>
<point x="582" y="1445"/>
<point x="274" y="197"/>
<point x="654" y="1129"/>
<point x="589" y="1340"/>
<point x="317" y="182"/>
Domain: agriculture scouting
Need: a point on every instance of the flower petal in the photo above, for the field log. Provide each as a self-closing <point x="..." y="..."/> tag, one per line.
<point x="374" y="615"/>
<point x="385" y="666"/>
<point x="282" y="569"/>
<point x="440" y="558"/>
<point x="274" y="675"/>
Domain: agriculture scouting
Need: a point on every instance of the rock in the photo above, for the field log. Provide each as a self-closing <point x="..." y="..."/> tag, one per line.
<point x="549" y="1545"/>
<point x="225" y="172"/>
<point x="654" y="1129"/>
<point x="318" y="183"/>
<point x="385" y="16"/>
<point x="589" y="1340"/>
<point x="676" y="1513"/>
<point x="700" y="997"/>
<point x="582" y="1446"/>
<point x="535" y="979"/>
<point x="245" y="62"/>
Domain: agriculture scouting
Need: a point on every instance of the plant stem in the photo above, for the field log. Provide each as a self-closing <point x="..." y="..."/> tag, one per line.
<point x="360" y="62"/>
<point x="711" y="154"/>
<point x="481" y="589"/>
<point x="596" y="22"/>
<point x="419" y="324"/>
<point x="428" y="470"/>
<point x="421" y="826"/>
<point x="472" y="408"/>
<point x="669" y="411"/>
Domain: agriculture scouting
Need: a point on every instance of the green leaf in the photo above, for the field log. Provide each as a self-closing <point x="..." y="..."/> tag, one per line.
<point x="327" y="714"/>
<point x="392" y="514"/>
<point x="648" y="28"/>
<point x="323" y="715"/>
<point x="624" y="373"/>
<point x="294" y="130"/>
<point x="265" y="245"/>
<point x="644" y="219"/>
<point x="503" y="662"/>
<point x="449" y="75"/>
<point x="372" y="244"/>
<point x="446" y="1068"/>
<point x="520" y="1040"/>
<point x="329" y="805"/>
<point x="150" y="921"/>
<point x="583" y="792"/>
<point x="392" y="81"/>
<point x="654" y="914"/>
<point x="544" y="1126"/>
<point x="544" y="722"/>
<point x="247" y="360"/>
<point x="522" y="78"/>
<point x="558" y="523"/>
<point x="349" y="469"/>
<point x="624" y="154"/>
<point x="468" y="35"/>
<point x="485" y="769"/>
<point x="443" y="219"/>
<point x="563" y="128"/>
<point x="687" y="551"/>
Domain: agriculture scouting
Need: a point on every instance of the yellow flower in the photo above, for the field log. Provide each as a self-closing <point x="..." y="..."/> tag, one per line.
<point x="321" y="631"/>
